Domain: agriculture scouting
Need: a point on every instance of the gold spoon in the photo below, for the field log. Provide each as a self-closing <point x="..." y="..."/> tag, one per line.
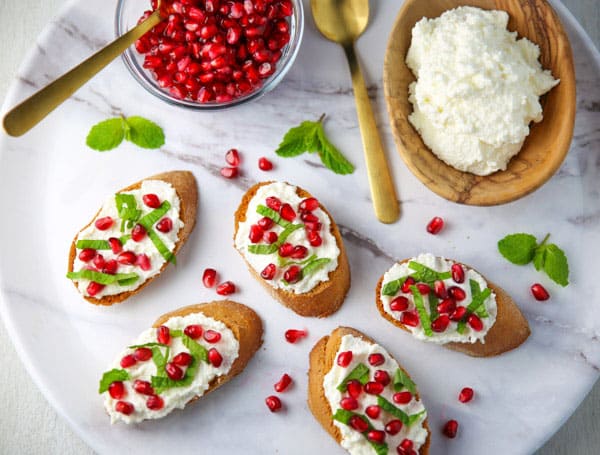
<point x="34" y="109"/>
<point x="343" y="21"/>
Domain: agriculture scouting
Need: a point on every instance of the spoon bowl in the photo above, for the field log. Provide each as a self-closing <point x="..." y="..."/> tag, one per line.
<point x="341" y="21"/>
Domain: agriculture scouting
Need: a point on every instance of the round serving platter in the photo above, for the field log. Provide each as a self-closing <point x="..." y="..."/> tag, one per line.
<point x="52" y="184"/>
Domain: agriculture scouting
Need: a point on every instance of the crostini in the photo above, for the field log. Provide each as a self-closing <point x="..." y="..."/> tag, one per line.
<point x="442" y="301"/>
<point x="185" y="355"/>
<point x="133" y="237"/>
<point x="293" y="247"/>
<point x="364" y="399"/>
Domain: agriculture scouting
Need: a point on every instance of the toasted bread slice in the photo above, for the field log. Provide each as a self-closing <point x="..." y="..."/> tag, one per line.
<point x="325" y="298"/>
<point x="321" y="361"/>
<point x="186" y="188"/>
<point x="508" y="332"/>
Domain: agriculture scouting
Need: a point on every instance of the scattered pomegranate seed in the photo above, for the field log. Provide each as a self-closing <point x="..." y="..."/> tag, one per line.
<point x="358" y="424"/>
<point x="373" y="411"/>
<point x="457" y="293"/>
<point x="377" y="436"/>
<point x="173" y="371"/>
<point x="309" y="204"/>
<point x="539" y="292"/>
<point x="229" y="172"/>
<point x="256" y="233"/>
<point x="293" y="274"/>
<point x="143" y="261"/>
<point x="151" y="200"/>
<point x="450" y="429"/>
<point x="314" y="238"/>
<point x="376" y="359"/>
<point x="127" y="258"/>
<point x="435" y="225"/>
<point x="264" y="164"/>
<point x="400" y="303"/>
<point x="458" y="273"/>
<point x="265" y="223"/>
<point x="354" y="388"/>
<point x="124" y="407"/>
<point x="138" y="233"/>
<point x="87" y="254"/>
<point x="373" y="388"/>
<point x="286" y="250"/>
<point x="423" y="288"/>
<point x="143" y="387"/>
<point x="344" y="358"/>
<point x="465" y="395"/>
<point x="209" y="277"/>
<point x="165" y="225"/>
<point x="215" y="357"/>
<point x="283" y="383"/>
<point x="273" y="203"/>
<point x="382" y="377"/>
<point x="94" y="288"/>
<point x="440" y="289"/>
<point x="183" y="359"/>
<point x="409" y="318"/>
<point x="194" y="331"/>
<point x="104" y="223"/>
<point x="393" y="427"/>
<point x="458" y="314"/>
<point x="128" y="361"/>
<point x="273" y="403"/>
<point x="402" y="397"/>
<point x="212" y="336"/>
<point x="117" y="390"/>
<point x="115" y="245"/>
<point x="226" y="288"/>
<point x="410" y="281"/>
<point x="441" y="323"/>
<point x="142" y="354"/>
<point x="349" y="403"/>
<point x="163" y="335"/>
<point x="475" y="323"/>
<point x="155" y="403"/>
<point x="233" y="157"/>
<point x="287" y="212"/>
<point x="446" y="306"/>
<point x="268" y="272"/>
<point x="293" y="335"/>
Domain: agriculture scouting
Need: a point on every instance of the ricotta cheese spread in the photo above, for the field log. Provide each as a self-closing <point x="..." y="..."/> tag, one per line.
<point x="173" y="395"/>
<point x="411" y="410"/>
<point x="303" y="243"/>
<point x="446" y="315"/>
<point x="477" y="88"/>
<point x="120" y="229"/>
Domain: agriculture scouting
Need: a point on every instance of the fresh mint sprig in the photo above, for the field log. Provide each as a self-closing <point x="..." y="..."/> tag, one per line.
<point x="109" y="134"/>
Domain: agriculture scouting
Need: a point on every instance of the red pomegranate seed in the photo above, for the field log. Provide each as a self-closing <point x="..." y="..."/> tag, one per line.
<point x="446" y="306"/>
<point x="264" y="164"/>
<point x="309" y="204"/>
<point x="344" y="358"/>
<point x="226" y="288"/>
<point x="458" y="273"/>
<point x="229" y="172"/>
<point x="268" y="272"/>
<point x="308" y="217"/>
<point x="293" y="274"/>
<point x="393" y="427"/>
<point x="138" y="233"/>
<point x="435" y="225"/>
<point x="256" y="233"/>
<point x="300" y="252"/>
<point x="151" y="200"/>
<point x="183" y="359"/>
<point x="382" y="377"/>
<point x="310" y="226"/>
<point x="87" y="254"/>
<point x="127" y="258"/>
<point x="273" y="203"/>
<point x="155" y="403"/>
<point x="450" y="429"/>
<point x="212" y="336"/>
<point x="104" y="223"/>
<point x="373" y="388"/>
<point x="124" y="407"/>
<point x="406" y="444"/>
<point x="441" y="323"/>
<point x="273" y="403"/>
<point x="293" y="335"/>
<point x="209" y="277"/>
<point x="358" y="423"/>
<point x="457" y="293"/>
<point x="402" y="397"/>
<point x="354" y="388"/>
<point x="314" y="238"/>
<point x="128" y="361"/>
<point x="270" y="237"/>
<point x="117" y="390"/>
<point x="99" y="261"/>
<point x="173" y="371"/>
<point x="458" y="314"/>
<point x="265" y="223"/>
<point x="142" y="354"/>
<point x="143" y="261"/>
<point x="410" y="281"/>
<point x="349" y="403"/>
<point x="215" y="357"/>
<point x="283" y="383"/>
<point x="377" y="436"/>
<point x="399" y="304"/>
<point x="94" y="288"/>
<point x="163" y="335"/>
<point x="539" y="292"/>
<point x="409" y="318"/>
<point x="232" y="156"/>
<point x="286" y="250"/>
<point x="165" y="225"/>
<point x="465" y="395"/>
<point x="440" y="289"/>
<point x="423" y="288"/>
<point x="475" y="323"/>
<point x="287" y="212"/>
<point x="143" y="387"/>
<point x="115" y="245"/>
<point x="194" y="331"/>
<point x="373" y="411"/>
<point x="376" y="359"/>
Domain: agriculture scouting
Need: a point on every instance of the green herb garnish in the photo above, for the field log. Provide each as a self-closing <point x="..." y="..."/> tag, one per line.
<point x="283" y="263"/>
<point x="433" y="303"/>
<point x="360" y="372"/>
<point x="391" y="288"/>
<point x="273" y="247"/>
<point x="314" y="266"/>
<point x="476" y="305"/>
<point x="273" y="215"/>
<point x="425" y="274"/>
<point x="123" y="279"/>
<point x="109" y="134"/>
<point x="148" y="222"/>
<point x="401" y="379"/>
<point x="475" y="293"/>
<point x="343" y="416"/>
<point x="111" y="376"/>
<point x="127" y="208"/>
<point x="423" y="315"/>
<point x="93" y="244"/>
<point x="399" y="413"/>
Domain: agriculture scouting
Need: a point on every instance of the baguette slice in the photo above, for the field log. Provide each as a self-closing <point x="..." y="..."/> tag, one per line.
<point x="508" y="332"/>
<point x="186" y="188"/>
<point x="321" y="361"/>
<point x="326" y="297"/>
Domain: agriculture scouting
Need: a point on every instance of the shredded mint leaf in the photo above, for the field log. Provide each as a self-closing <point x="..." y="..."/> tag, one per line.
<point x="148" y="222"/>
<point x="314" y="266"/>
<point x="123" y="279"/>
<point x="401" y="379"/>
<point x="391" y="288"/>
<point x="433" y="303"/>
<point x="93" y="244"/>
<point x="413" y="418"/>
<point x="111" y="376"/>
<point x="425" y="274"/>
<point x="284" y="263"/>
<point x="518" y="248"/>
<point x="147" y="345"/>
<point x="556" y="265"/>
<point x="423" y="315"/>
<point x="273" y="247"/>
<point x="343" y="416"/>
<point x="273" y="215"/>
<point x="196" y="349"/>
<point x="106" y="135"/>
<point x="144" y="133"/>
<point x="397" y="412"/>
<point x="360" y="372"/>
<point x="476" y="294"/>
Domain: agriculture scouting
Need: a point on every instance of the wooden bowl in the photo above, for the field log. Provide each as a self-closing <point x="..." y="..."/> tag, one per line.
<point x="548" y="142"/>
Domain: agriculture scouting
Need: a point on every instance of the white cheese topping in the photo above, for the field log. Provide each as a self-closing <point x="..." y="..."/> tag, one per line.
<point x="328" y="249"/>
<point x="165" y="192"/>
<point x="440" y="264"/>
<point x="353" y="441"/>
<point x="176" y="397"/>
<point x="477" y="88"/>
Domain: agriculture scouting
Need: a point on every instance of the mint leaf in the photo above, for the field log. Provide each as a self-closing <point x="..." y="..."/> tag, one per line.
<point x="360" y="372"/>
<point x="111" y="376"/>
<point x="106" y="135"/>
<point x="343" y="416"/>
<point x="93" y="244"/>
<point x="314" y="266"/>
<point x="539" y="258"/>
<point x="401" y="379"/>
<point x="144" y="133"/>
<point x="123" y="279"/>
<point x="423" y="315"/>
<point x="391" y="288"/>
<point x="331" y="156"/>
<point x="518" y="248"/>
<point x="272" y="214"/>
<point x="556" y="265"/>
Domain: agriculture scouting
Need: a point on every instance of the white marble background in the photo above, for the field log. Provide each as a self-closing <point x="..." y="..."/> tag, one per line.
<point x="29" y="425"/>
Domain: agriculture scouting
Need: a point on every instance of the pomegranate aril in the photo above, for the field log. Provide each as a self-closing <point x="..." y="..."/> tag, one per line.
<point x="435" y="225"/>
<point x="373" y="388"/>
<point x="151" y="200"/>
<point x="393" y="427"/>
<point x="142" y="354"/>
<point x="300" y="252"/>
<point x="128" y="361"/>
<point x="382" y="376"/>
<point x="194" y="331"/>
<point x="215" y="358"/>
<point x="270" y="237"/>
<point x="209" y="277"/>
<point x="212" y="336"/>
<point x="229" y="172"/>
<point x="440" y="289"/>
<point x="264" y="164"/>
<point x="273" y="403"/>
<point x="124" y="407"/>
<point x="402" y="397"/>
<point x="143" y="262"/>
<point x="143" y="387"/>
<point x="409" y="318"/>
<point x="104" y="223"/>
<point x="349" y="403"/>
<point x="268" y="273"/>
<point x="309" y="217"/>
<point x="293" y="335"/>
<point x="87" y="254"/>
<point x="155" y="403"/>
<point x="450" y="429"/>
<point x="173" y="371"/>
<point x="115" y="245"/>
<point x="358" y="423"/>
<point x="163" y="335"/>
<point x="475" y="322"/>
<point x="117" y="390"/>
<point x="354" y="388"/>
<point x="256" y="233"/>
<point x="314" y="238"/>
<point x="423" y="288"/>
<point x="226" y="288"/>
<point x="458" y="273"/>
<point x="265" y="223"/>
<point x="94" y="288"/>
<point x="376" y="359"/>
<point x="273" y="203"/>
<point x="539" y="292"/>
<point x="446" y="306"/>
<point x="458" y="314"/>
<point x="293" y="274"/>
<point x="400" y="303"/>
<point x="410" y="281"/>
<point x="377" y="436"/>
<point x="127" y="258"/>
<point x="232" y="156"/>
<point x="283" y="383"/>
<point x="344" y="358"/>
<point x="183" y="359"/>
<point x="406" y="444"/>
<point x="165" y="225"/>
<point x="311" y="226"/>
<point x="373" y="411"/>
<point x="458" y="294"/>
<point x="287" y="212"/>
<point x="309" y="204"/>
<point x="440" y="323"/>
<point x="465" y="395"/>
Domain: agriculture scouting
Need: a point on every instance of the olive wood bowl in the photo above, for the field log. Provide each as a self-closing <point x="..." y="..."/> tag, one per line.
<point x="548" y="142"/>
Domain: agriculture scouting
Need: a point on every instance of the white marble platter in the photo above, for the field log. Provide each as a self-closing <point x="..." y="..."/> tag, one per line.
<point x="51" y="184"/>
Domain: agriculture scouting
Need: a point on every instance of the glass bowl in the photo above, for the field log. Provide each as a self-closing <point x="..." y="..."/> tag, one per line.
<point x="129" y="12"/>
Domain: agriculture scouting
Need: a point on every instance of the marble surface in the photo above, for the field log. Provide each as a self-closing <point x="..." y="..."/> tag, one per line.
<point x="197" y="142"/>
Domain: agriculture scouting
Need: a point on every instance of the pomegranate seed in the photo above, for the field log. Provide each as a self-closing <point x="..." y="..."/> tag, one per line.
<point x="423" y="288"/>
<point x="127" y="258"/>
<point x="226" y="288"/>
<point x="163" y="335"/>
<point x="382" y="377"/>
<point x="212" y="336"/>
<point x="440" y="289"/>
<point x="409" y="318"/>
<point x="265" y="223"/>
<point x="410" y="281"/>
<point x="465" y="395"/>
<point x="87" y="254"/>
<point x="151" y="200"/>
<point x="128" y="361"/>
<point x="349" y="403"/>
<point x="283" y="383"/>
<point x="287" y="212"/>
<point x="124" y="407"/>
<point x="94" y="288"/>
<point x="344" y="358"/>
<point x="104" y="223"/>
<point x="293" y="274"/>
<point x="300" y="252"/>
<point x="376" y="359"/>
<point x="183" y="359"/>
<point x="117" y="390"/>
<point x="229" y="172"/>
<point x="450" y="429"/>
<point x="270" y="237"/>
<point x="402" y="397"/>
<point x="115" y="245"/>
<point x="143" y="387"/>
<point x="373" y="388"/>
<point x="138" y="233"/>
<point x="475" y="323"/>
<point x="458" y="273"/>
<point x="377" y="436"/>
<point x="215" y="358"/>
<point x="173" y="371"/>
<point x="99" y="261"/>
<point x="273" y="403"/>
<point x="446" y="306"/>
<point x="155" y="403"/>
<point x="293" y="335"/>
<point x="539" y="292"/>
<point x="435" y="225"/>
<point x="458" y="314"/>
<point x="358" y="424"/>
<point x="441" y="323"/>
<point x="142" y="354"/>
<point x="399" y="304"/>
<point x="308" y="217"/>
<point x="209" y="277"/>
<point x="310" y="226"/>
<point x="232" y="156"/>
<point x="194" y="331"/>
<point x="273" y="203"/>
<point x="457" y="293"/>
<point x="143" y="261"/>
<point x="286" y="250"/>
<point x="314" y="238"/>
<point x="309" y="204"/>
<point x="354" y="388"/>
<point x="256" y="233"/>
<point x="373" y="411"/>
<point x="393" y="427"/>
<point x="264" y="164"/>
<point x="165" y="225"/>
<point x="406" y="444"/>
<point x="268" y="272"/>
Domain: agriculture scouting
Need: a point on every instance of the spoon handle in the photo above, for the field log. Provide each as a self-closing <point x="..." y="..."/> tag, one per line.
<point x="34" y="109"/>
<point x="385" y="201"/>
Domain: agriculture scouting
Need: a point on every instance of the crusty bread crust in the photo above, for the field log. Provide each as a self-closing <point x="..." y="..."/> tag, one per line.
<point x="508" y="332"/>
<point x="186" y="188"/>
<point x="325" y="298"/>
<point x="322" y="357"/>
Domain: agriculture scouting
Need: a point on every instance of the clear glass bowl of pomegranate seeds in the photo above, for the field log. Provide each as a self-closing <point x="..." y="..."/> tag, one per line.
<point x="212" y="54"/>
